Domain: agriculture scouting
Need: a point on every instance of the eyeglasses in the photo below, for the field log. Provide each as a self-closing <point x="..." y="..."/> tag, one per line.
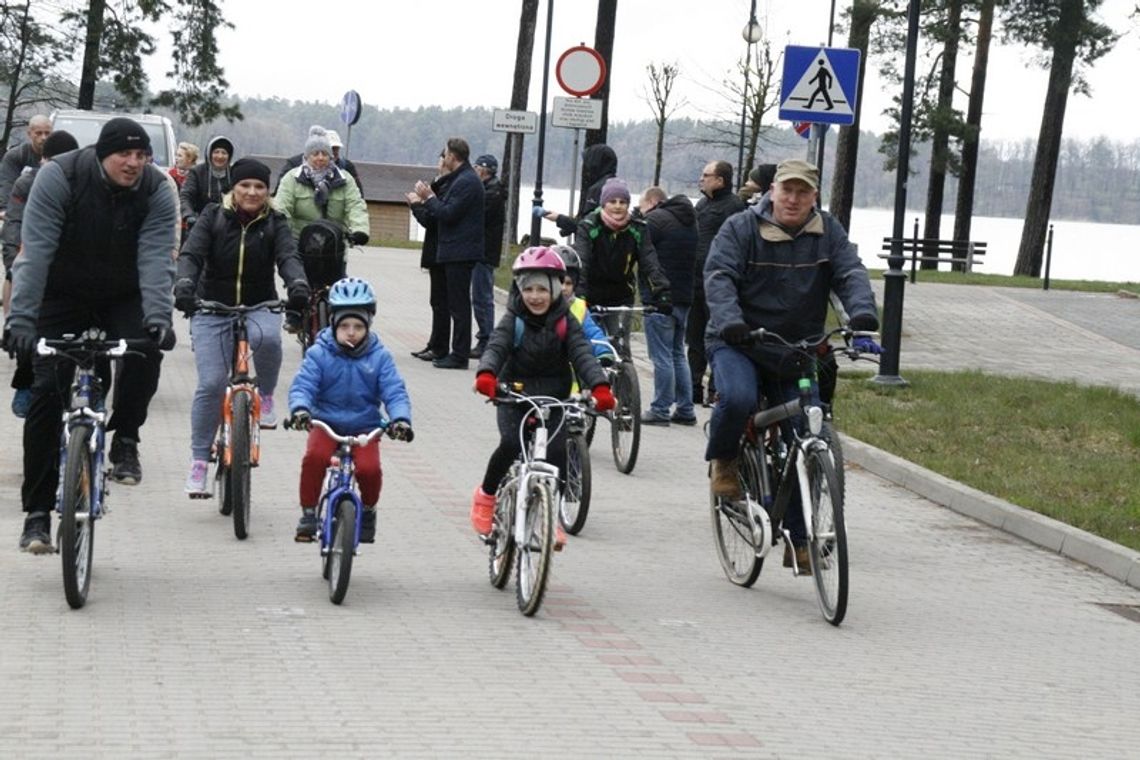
<point x="708" y="174"/>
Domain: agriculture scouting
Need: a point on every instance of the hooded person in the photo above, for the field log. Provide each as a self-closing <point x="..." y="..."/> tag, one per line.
<point x="599" y="163"/>
<point x="208" y="181"/>
<point x="319" y="189"/>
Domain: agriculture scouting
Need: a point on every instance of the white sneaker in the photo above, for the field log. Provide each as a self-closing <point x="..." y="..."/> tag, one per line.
<point x="198" y="480"/>
<point x="268" y="414"/>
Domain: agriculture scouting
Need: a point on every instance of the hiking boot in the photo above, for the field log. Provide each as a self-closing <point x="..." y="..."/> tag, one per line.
<point x="198" y="480"/>
<point x="268" y="414"/>
<point x="21" y="402"/>
<point x="803" y="561"/>
<point x="482" y="511"/>
<point x="368" y="526"/>
<point x="725" y="479"/>
<point x="36" y="538"/>
<point x="125" y="458"/>
<point x="307" y="526"/>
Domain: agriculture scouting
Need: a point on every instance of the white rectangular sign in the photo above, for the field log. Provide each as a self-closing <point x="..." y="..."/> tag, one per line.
<point x="514" y="121"/>
<point x="577" y="113"/>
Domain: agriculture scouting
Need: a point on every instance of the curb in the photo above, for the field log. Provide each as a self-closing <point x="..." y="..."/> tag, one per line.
<point x="1112" y="559"/>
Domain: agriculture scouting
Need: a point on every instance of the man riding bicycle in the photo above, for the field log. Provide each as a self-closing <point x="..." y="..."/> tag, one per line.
<point x="774" y="265"/>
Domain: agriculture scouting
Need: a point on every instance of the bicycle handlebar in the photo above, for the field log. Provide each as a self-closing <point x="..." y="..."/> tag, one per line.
<point x="91" y="346"/>
<point x="644" y="308"/>
<point x="808" y="345"/>
<point x="217" y="307"/>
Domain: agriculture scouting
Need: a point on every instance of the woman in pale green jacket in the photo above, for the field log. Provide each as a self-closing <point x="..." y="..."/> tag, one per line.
<point x="318" y="189"/>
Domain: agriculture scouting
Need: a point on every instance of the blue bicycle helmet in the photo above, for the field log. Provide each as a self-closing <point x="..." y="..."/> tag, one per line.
<point x="351" y="297"/>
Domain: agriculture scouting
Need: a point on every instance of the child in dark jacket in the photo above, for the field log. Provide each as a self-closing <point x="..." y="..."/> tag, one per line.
<point x="540" y="356"/>
<point x="343" y="380"/>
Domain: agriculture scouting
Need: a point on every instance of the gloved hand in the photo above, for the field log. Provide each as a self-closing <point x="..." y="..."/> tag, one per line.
<point x="189" y="222"/>
<point x="185" y="296"/>
<point x="663" y="307"/>
<point x="607" y="360"/>
<point x="538" y="211"/>
<point x="487" y="384"/>
<point x="867" y="345"/>
<point x="401" y="430"/>
<point x="736" y="334"/>
<point x="299" y="294"/>
<point x="863" y="323"/>
<point x="603" y="398"/>
<point x="359" y="237"/>
<point x="20" y="342"/>
<point x="163" y="337"/>
<point x="300" y="419"/>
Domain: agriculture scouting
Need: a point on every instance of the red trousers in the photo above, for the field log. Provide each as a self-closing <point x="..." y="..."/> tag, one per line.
<point x="319" y="450"/>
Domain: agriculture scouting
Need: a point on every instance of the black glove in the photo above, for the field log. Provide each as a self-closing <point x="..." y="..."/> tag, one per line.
<point x="20" y="342"/>
<point x="864" y="323"/>
<point x="299" y="294"/>
<point x="163" y="337"/>
<point x="736" y="334"/>
<point x="299" y="420"/>
<point x="185" y="296"/>
<point x="401" y="430"/>
<point x="358" y="237"/>
<point x="663" y="307"/>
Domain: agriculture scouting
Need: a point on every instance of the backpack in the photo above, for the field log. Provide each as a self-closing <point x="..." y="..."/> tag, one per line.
<point x="322" y="246"/>
<point x="559" y="329"/>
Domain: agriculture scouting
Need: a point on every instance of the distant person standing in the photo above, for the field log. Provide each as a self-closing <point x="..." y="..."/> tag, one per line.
<point x="483" y="275"/>
<point x="342" y="162"/>
<point x="207" y="182"/>
<point x="758" y="182"/>
<point x="23" y="157"/>
<point x="458" y="213"/>
<point x="599" y="163"/>
<point x="672" y="226"/>
<point x="184" y="160"/>
<point x="718" y="203"/>
<point x="436" y="347"/>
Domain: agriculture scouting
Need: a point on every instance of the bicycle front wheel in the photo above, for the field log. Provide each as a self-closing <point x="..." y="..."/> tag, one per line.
<point x="828" y="546"/>
<point x="576" y="500"/>
<point x="76" y="525"/>
<point x="625" y="432"/>
<point x="502" y="539"/>
<point x="732" y="530"/>
<point x="341" y="547"/>
<point x="239" y="471"/>
<point x="534" y="554"/>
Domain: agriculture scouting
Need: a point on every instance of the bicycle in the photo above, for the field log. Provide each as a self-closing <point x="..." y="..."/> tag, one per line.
<point x="81" y="498"/>
<point x="237" y="445"/>
<point x="339" y="509"/>
<point x="522" y="530"/>
<point x="625" y="418"/>
<point x="575" y="504"/>
<point x="774" y="461"/>
<point x="314" y="318"/>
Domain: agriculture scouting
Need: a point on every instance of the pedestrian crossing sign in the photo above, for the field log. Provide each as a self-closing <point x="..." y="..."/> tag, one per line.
<point x="820" y="85"/>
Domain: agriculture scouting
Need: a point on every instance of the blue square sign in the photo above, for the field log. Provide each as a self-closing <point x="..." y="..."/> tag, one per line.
<point x="820" y="85"/>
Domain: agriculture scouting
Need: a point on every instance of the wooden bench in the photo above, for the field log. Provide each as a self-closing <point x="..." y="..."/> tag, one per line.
<point x="961" y="252"/>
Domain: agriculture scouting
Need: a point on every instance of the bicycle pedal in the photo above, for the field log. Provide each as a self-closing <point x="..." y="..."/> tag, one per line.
<point x="201" y="495"/>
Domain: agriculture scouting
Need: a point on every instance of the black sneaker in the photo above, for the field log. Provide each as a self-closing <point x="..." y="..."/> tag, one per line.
<point x="125" y="460"/>
<point x="368" y="526"/>
<point x="307" y="527"/>
<point x="36" y="538"/>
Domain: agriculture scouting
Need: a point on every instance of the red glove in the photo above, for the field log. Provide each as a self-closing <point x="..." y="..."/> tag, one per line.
<point x="487" y="384"/>
<point x="603" y="398"/>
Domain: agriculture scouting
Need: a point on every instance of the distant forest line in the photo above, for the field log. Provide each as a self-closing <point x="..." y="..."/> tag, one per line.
<point x="1098" y="180"/>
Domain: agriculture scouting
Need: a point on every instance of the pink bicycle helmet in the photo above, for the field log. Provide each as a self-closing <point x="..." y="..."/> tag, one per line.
<point x="538" y="258"/>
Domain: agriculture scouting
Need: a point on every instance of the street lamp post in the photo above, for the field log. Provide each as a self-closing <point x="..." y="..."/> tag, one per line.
<point x="751" y="34"/>
<point x="536" y="221"/>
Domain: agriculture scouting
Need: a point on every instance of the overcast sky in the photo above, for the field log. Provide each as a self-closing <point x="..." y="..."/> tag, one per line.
<point x="461" y="53"/>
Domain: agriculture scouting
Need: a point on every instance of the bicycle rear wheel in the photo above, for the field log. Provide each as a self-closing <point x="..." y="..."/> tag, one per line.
<point x="502" y="539"/>
<point x="732" y="530"/>
<point x="76" y="526"/>
<point x="341" y="546"/>
<point x="828" y="546"/>
<point x="576" y="500"/>
<point x="625" y="432"/>
<point x="239" y="470"/>
<point x="535" y="552"/>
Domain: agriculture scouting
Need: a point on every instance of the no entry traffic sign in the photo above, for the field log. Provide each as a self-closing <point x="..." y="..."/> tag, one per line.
<point x="581" y="71"/>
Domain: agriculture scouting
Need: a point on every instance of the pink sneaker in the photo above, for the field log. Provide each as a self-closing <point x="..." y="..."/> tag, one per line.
<point x="482" y="511"/>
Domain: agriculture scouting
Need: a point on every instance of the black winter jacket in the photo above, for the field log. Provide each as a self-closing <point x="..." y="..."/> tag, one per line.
<point x="711" y="213"/>
<point x="673" y="229"/>
<point x="458" y="212"/>
<point x="431" y="229"/>
<point x="494" y="219"/>
<point x="612" y="262"/>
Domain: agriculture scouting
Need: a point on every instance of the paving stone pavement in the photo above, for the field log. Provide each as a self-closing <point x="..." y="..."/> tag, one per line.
<point x="960" y="641"/>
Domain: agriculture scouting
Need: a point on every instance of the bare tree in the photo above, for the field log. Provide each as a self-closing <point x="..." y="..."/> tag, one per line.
<point x="511" y="170"/>
<point x="662" y="78"/>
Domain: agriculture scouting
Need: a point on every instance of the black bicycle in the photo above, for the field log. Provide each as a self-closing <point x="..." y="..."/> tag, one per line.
<point x="625" y="418"/>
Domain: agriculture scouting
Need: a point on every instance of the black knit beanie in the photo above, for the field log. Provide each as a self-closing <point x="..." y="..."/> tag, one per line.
<point x="59" y="142"/>
<point x="249" y="168"/>
<point x="119" y="134"/>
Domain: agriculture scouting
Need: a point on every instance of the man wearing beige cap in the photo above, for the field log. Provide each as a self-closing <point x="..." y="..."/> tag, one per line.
<point x="773" y="266"/>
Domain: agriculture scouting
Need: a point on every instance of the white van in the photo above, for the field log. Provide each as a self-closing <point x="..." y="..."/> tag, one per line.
<point x="86" y="125"/>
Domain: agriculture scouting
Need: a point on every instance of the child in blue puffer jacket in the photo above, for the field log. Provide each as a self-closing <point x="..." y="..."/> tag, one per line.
<point x="344" y="379"/>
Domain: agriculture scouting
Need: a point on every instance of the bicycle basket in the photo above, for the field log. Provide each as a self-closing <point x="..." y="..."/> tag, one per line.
<point x="321" y="245"/>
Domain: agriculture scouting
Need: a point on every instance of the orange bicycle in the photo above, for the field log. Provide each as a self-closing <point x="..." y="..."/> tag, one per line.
<point x="237" y="447"/>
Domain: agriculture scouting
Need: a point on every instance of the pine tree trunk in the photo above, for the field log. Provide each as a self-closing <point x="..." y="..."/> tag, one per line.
<point x="964" y="207"/>
<point x="604" y="44"/>
<point x="511" y="167"/>
<point x="90" y="72"/>
<point x="864" y="13"/>
<point x="940" y="141"/>
<point x="1037" y="208"/>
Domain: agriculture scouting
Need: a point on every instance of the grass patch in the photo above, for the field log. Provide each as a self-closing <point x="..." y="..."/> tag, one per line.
<point x="1018" y="281"/>
<point x="1063" y="450"/>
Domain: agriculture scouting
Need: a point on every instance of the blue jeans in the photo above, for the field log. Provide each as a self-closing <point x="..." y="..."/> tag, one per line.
<point x="672" y="383"/>
<point x="483" y="301"/>
<point x="736" y="382"/>
<point x="212" y="341"/>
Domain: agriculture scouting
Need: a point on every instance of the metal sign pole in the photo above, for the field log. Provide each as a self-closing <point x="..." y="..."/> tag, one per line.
<point x="574" y="173"/>
<point x="347" y="140"/>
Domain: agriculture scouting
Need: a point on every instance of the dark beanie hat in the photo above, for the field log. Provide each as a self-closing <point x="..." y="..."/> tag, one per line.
<point x="249" y="168"/>
<point x="58" y="142"/>
<point x="119" y="134"/>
